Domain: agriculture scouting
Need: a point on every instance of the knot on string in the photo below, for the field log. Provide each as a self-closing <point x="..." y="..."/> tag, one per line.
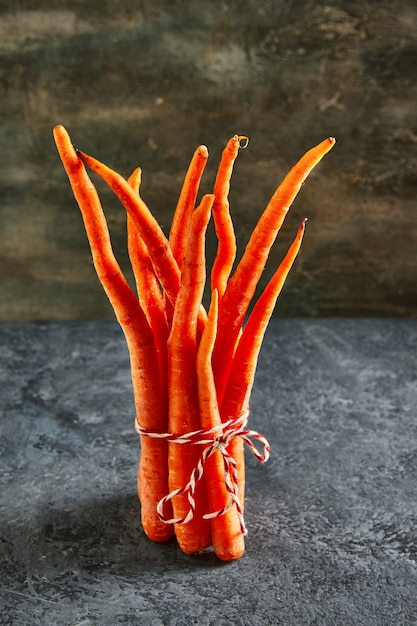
<point x="213" y="442"/>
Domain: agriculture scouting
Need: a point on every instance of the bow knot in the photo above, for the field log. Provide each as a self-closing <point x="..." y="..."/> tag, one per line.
<point x="213" y="440"/>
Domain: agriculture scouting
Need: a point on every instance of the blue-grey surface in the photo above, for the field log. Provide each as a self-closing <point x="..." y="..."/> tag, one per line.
<point x="332" y="516"/>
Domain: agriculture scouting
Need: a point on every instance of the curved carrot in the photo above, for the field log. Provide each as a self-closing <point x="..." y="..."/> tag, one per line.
<point x="185" y="206"/>
<point x="147" y="284"/>
<point x="226" y="250"/>
<point x="243" y="368"/>
<point x="227" y="537"/>
<point x="181" y="220"/>
<point x="148" y="287"/>
<point x="183" y="412"/>
<point x="149" y="401"/>
<point x="166" y="268"/>
<point x="242" y="285"/>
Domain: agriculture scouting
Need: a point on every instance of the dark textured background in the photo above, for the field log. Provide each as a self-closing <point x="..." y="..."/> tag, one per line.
<point x="143" y="83"/>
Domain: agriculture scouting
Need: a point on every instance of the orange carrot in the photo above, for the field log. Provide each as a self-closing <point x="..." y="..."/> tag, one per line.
<point x="226" y="250"/>
<point x="147" y="284"/>
<point x="242" y="371"/>
<point x="242" y="285"/>
<point x="243" y="368"/>
<point x="181" y="220"/>
<point x="227" y="537"/>
<point x="148" y="287"/>
<point x="166" y="267"/>
<point x="183" y="413"/>
<point x="149" y="400"/>
<point x="180" y="226"/>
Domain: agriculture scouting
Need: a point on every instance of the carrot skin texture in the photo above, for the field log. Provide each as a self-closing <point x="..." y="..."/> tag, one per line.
<point x="166" y="268"/>
<point x="186" y="204"/>
<point x="181" y="221"/>
<point x="165" y="265"/>
<point x="242" y="285"/>
<point x="148" y="287"/>
<point x="227" y="537"/>
<point x="243" y="368"/>
<point x="226" y="251"/>
<point x="149" y="402"/>
<point x="242" y="371"/>
<point x="183" y="412"/>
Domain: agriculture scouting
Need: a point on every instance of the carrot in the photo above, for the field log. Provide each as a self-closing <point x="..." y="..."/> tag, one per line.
<point x="149" y="400"/>
<point x="166" y="267"/>
<point x="243" y="368"/>
<point x="148" y="287"/>
<point x="190" y="372"/>
<point x="226" y="251"/>
<point x="227" y="537"/>
<point x="242" y="285"/>
<point x="242" y="371"/>
<point x="147" y="284"/>
<point x="182" y="215"/>
<point x="186" y="202"/>
<point x="183" y="412"/>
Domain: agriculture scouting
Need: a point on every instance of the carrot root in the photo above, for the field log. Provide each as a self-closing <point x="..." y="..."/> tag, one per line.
<point x="227" y="536"/>
<point x="149" y="397"/>
<point x="183" y="416"/>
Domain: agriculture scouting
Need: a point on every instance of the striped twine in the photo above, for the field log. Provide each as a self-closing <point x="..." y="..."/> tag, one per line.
<point x="218" y="441"/>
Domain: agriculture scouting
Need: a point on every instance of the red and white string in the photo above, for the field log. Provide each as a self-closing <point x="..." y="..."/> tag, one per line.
<point x="214" y="439"/>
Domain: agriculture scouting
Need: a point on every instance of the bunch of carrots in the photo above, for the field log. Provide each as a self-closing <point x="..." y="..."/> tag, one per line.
<point x="192" y="370"/>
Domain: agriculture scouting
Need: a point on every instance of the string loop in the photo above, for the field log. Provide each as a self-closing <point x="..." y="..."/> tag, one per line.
<point x="220" y="438"/>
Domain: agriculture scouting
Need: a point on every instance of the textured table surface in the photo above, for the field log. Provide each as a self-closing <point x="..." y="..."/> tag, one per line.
<point x="331" y="516"/>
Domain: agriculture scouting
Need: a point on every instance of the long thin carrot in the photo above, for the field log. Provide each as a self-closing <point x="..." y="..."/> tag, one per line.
<point x="226" y="250"/>
<point x="166" y="267"/>
<point x="183" y="413"/>
<point x="242" y="371"/>
<point x="180" y="226"/>
<point x="181" y="220"/>
<point x="242" y="285"/>
<point x="149" y="400"/>
<point x="147" y="284"/>
<point x="227" y="537"/>
<point x="148" y="287"/>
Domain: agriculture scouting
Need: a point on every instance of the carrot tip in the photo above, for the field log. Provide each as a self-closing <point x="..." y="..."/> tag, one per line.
<point x="203" y="151"/>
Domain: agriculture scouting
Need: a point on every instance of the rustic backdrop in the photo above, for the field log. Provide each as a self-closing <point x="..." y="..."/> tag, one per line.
<point x="145" y="82"/>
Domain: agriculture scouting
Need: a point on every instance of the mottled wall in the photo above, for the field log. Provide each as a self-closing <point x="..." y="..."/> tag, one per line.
<point x="145" y="82"/>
